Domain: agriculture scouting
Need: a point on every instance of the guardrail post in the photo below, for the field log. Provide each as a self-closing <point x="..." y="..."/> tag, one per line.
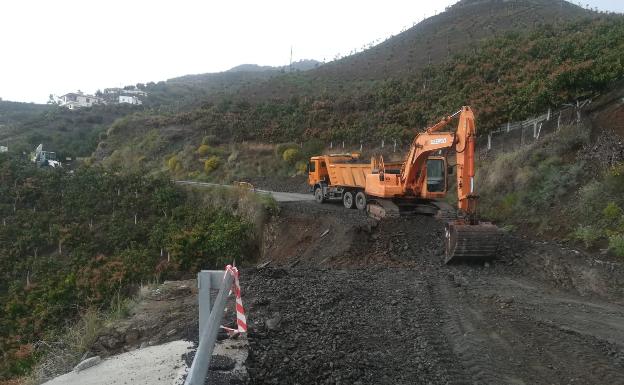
<point x="203" y="286"/>
<point x="207" y="338"/>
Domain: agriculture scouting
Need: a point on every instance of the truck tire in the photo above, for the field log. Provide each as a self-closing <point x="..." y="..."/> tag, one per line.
<point x="360" y="200"/>
<point x="348" y="200"/>
<point x="318" y="195"/>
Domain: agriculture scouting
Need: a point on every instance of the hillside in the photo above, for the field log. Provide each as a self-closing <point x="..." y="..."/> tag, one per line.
<point x="505" y="78"/>
<point x="438" y="38"/>
<point x="383" y="92"/>
<point x="190" y="90"/>
<point x="430" y="42"/>
<point x="69" y="133"/>
<point x="83" y="242"/>
<point x="15" y="112"/>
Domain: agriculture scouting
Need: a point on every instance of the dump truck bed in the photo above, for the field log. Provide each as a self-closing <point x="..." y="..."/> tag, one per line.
<point x="348" y="174"/>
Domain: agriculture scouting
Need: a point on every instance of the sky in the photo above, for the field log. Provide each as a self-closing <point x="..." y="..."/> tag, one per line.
<point x="49" y="47"/>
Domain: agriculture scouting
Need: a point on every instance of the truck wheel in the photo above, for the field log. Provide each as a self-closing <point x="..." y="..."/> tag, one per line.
<point x="318" y="195"/>
<point x="347" y="200"/>
<point x="360" y="200"/>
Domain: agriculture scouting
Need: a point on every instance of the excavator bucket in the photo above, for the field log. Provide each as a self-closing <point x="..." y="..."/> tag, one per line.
<point x="471" y="243"/>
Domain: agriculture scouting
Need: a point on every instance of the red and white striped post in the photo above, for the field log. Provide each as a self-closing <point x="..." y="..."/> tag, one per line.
<point x="241" y="320"/>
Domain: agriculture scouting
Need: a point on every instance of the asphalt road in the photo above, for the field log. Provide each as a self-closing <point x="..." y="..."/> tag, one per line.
<point x="278" y="196"/>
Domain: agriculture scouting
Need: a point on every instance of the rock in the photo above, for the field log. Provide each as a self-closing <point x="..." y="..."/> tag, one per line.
<point x="132" y="336"/>
<point x="89" y="362"/>
<point x="273" y="323"/>
<point x="219" y="362"/>
<point x="110" y="341"/>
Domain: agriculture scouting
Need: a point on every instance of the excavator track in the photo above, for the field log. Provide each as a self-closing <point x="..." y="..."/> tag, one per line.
<point x="386" y="208"/>
<point x="471" y="243"/>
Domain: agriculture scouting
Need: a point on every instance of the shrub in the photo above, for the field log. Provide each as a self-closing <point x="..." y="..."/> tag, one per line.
<point x="612" y="212"/>
<point x="211" y="164"/>
<point x="616" y="244"/>
<point x="291" y="155"/>
<point x="280" y="148"/>
<point x="587" y="234"/>
<point x="173" y="164"/>
<point x="203" y="150"/>
<point x="302" y="167"/>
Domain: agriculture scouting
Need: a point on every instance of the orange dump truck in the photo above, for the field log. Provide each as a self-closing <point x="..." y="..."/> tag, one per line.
<point x="342" y="176"/>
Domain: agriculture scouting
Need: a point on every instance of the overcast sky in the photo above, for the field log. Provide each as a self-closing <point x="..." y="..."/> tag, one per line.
<point x="57" y="47"/>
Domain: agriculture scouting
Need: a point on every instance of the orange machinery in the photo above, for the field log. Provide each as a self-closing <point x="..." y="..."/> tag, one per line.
<point x="415" y="185"/>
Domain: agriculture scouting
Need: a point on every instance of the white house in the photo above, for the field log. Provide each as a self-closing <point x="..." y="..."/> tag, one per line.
<point x="135" y="92"/>
<point x="74" y="100"/>
<point x="4" y="149"/>
<point x="129" y="100"/>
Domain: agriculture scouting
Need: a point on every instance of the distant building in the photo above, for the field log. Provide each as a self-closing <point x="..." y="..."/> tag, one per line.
<point x="134" y="92"/>
<point x="129" y="100"/>
<point x="4" y="149"/>
<point x="74" y="100"/>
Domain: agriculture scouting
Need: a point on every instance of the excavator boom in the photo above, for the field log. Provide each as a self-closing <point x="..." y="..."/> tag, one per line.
<point x="467" y="239"/>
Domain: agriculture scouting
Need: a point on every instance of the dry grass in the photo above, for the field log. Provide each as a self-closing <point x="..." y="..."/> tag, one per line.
<point x="61" y="353"/>
<point x="64" y="351"/>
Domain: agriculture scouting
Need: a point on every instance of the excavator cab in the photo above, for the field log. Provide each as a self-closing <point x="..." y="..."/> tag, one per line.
<point x="436" y="177"/>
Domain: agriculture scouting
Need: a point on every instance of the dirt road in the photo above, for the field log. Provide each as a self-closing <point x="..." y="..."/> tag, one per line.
<point x="346" y="301"/>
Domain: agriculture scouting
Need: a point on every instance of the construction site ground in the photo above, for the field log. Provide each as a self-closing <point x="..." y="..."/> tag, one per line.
<point x="337" y="298"/>
<point x="341" y="299"/>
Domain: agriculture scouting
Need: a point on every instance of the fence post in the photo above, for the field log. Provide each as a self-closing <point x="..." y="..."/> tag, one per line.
<point x="331" y="145"/>
<point x="489" y="146"/>
<point x="343" y="144"/>
<point x="508" y="126"/>
<point x="535" y="129"/>
<point x="559" y="121"/>
<point x="394" y="146"/>
<point x="382" y="143"/>
<point x="548" y="116"/>
<point x="360" y="146"/>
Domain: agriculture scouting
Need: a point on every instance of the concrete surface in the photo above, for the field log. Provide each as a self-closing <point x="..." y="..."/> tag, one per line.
<point x="154" y="365"/>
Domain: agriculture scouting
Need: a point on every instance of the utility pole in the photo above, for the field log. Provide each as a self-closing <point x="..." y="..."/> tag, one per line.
<point x="290" y="65"/>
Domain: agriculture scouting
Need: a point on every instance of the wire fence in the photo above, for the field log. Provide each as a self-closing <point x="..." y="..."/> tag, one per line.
<point x="507" y="137"/>
<point x="513" y="135"/>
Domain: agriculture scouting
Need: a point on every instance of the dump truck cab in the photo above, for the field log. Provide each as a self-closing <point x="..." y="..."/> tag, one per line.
<point x="318" y="167"/>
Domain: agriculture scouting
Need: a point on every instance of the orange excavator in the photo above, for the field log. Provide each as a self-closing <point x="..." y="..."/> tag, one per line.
<point x="416" y="185"/>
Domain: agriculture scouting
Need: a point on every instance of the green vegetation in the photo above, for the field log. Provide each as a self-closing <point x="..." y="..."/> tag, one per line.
<point x="211" y="164"/>
<point x="76" y="241"/>
<point x="69" y="133"/>
<point x="291" y="155"/>
<point x="549" y="187"/>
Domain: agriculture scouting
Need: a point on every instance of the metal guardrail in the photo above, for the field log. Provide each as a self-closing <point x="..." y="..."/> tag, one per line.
<point x="209" y="320"/>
